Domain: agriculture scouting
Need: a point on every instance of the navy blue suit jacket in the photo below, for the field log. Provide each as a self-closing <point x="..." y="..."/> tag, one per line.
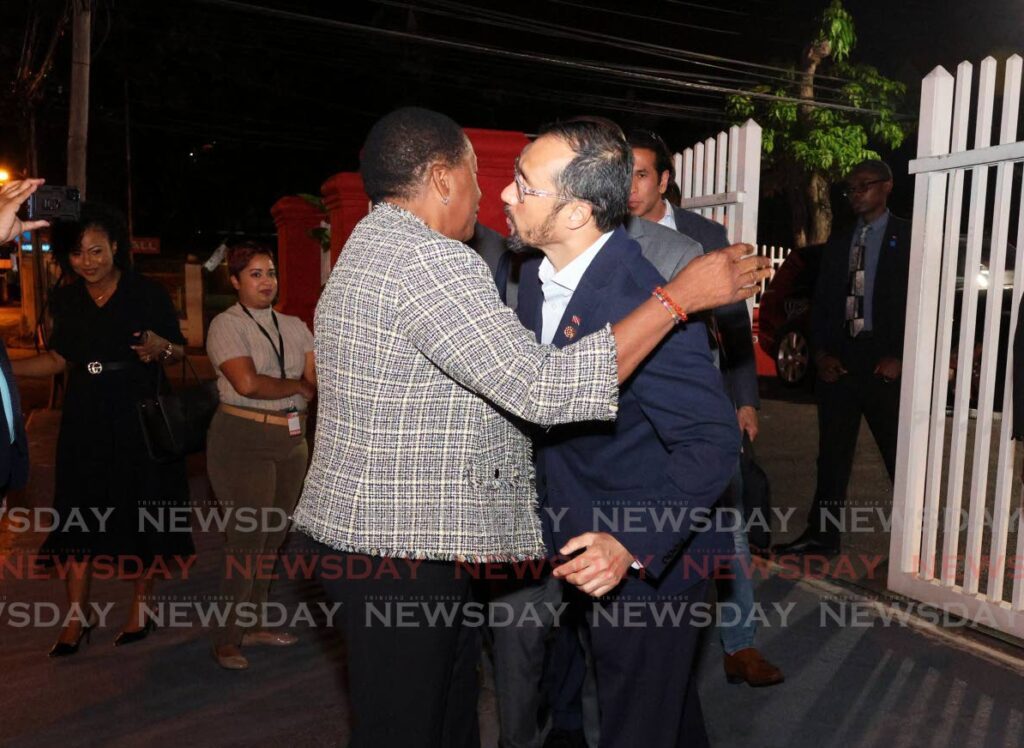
<point x="672" y="449"/>
<point x="13" y="457"/>
<point x="739" y="366"/>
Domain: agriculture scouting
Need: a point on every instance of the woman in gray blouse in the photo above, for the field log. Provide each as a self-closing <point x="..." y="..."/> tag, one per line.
<point x="256" y="449"/>
<point x="421" y="459"/>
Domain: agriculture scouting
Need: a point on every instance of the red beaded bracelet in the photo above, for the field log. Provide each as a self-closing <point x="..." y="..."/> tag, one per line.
<point x="677" y="311"/>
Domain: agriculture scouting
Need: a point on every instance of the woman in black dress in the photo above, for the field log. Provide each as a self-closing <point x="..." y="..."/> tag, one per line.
<point x="112" y="330"/>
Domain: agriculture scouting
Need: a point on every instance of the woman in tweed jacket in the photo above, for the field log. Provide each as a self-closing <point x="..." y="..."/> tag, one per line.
<point x="421" y="459"/>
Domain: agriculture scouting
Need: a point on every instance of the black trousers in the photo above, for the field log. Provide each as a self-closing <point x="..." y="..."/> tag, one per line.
<point x="840" y="407"/>
<point x="412" y="664"/>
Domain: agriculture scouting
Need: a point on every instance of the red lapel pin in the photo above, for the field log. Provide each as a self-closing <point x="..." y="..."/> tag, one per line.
<point x="576" y="320"/>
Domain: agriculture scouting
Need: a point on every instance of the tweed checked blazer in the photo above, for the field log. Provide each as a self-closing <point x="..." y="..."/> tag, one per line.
<point x="423" y="375"/>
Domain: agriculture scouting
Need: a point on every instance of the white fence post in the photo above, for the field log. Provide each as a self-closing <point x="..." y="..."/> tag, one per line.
<point x="922" y="295"/>
<point x="924" y="492"/>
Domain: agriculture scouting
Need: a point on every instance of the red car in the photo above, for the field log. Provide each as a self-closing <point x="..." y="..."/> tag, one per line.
<point x="784" y="317"/>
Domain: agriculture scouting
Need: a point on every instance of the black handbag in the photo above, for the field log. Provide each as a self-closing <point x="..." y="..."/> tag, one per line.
<point x="174" y="424"/>
<point x="757" y="495"/>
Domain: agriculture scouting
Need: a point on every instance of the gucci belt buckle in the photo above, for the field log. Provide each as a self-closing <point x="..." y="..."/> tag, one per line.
<point x="94" y="367"/>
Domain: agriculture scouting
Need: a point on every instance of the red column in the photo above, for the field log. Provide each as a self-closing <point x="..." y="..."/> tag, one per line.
<point x="346" y="205"/>
<point x="496" y="152"/>
<point x="298" y="256"/>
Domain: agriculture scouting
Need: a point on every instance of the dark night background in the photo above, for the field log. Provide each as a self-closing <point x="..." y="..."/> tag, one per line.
<point x="231" y="109"/>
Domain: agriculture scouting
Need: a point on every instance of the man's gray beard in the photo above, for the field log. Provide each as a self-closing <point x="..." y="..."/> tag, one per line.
<point x="515" y="243"/>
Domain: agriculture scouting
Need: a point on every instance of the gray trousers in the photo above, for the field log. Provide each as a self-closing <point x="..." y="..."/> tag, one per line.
<point x="519" y="656"/>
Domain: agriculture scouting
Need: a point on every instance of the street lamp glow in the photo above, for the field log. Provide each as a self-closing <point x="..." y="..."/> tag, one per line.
<point x="5" y="175"/>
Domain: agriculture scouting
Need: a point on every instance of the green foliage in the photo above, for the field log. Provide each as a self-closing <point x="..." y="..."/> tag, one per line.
<point x="800" y="138"/>
<point x="838" y="30"/>
<point x="322" y="233"/>
<point x="315" y="200"/>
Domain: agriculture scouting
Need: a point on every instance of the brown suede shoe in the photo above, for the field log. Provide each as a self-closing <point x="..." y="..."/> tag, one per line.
<point x="748" y="666"/>
<point x="271" y="638"/>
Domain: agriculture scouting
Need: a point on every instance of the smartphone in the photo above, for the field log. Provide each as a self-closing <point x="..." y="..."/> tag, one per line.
<point x="52" y="203"/>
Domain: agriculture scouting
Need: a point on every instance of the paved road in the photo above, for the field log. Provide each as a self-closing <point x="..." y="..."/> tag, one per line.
<point x="853" y="679"/>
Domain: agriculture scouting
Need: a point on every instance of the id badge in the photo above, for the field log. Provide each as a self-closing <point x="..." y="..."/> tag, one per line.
<point x="294" y="424"/>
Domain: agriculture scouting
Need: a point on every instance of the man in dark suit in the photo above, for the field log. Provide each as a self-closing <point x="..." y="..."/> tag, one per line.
<point x="490" y="245"/>
<point x="652" y="173"/>
<point x="858" y="320"/>
<point x="672" y="448"/>
<point x="734" y="345"/>
<point x="13" y="441"/>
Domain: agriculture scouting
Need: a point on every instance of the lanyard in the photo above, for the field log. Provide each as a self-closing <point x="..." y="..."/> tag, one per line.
<point x="279" y="348"/>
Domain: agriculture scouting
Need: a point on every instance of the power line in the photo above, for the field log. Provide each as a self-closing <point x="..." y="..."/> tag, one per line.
<point x="551" y="60"/>
<point x="665" y="21"/>
<point x="537" y="26"/>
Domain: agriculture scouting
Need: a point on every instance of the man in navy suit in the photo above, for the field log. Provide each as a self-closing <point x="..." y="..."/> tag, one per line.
<point x="630" y="501"/>
<point x="857" y="325"/>
<point x="652" y="174"/>
<point x="13" y="441"/>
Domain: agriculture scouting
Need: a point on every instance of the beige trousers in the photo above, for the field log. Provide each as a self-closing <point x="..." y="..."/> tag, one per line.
<point x="256" y="470"/>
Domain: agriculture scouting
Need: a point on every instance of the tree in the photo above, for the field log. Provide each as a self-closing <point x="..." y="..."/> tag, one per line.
<point x="808" y="146"/>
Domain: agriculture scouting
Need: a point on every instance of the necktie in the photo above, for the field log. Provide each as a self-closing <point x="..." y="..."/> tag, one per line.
<point x="855" y="292"/>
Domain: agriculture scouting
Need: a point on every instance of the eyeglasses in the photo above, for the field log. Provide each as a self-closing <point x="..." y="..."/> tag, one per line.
<point x="858" y="189"/>
<point x="522" y="190"/>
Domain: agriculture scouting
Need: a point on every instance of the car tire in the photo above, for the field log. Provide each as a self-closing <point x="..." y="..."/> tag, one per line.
<point x="793" y="358"/>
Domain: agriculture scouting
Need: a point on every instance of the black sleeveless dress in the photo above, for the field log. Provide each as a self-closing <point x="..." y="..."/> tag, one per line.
<point x="110" y="496"/>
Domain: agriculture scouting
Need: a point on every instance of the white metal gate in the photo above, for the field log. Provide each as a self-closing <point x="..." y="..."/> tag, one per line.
<point x="720" y="179"/>
<point x="976" y="576"/>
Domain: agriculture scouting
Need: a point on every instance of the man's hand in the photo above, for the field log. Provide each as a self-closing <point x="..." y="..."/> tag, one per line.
<point x="600" y="568"/>
<point x="889" y="369"/>
<point x="746" y="415"/>
<point x="12" y="195"/>
<point x="719" y="278"/>
<point x="830" y="368"/>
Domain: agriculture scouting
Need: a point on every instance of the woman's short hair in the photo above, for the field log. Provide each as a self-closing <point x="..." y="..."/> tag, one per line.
<point x="66" y="236"/>
<point x="400" y="147"/>
<point x="241" y="254"/>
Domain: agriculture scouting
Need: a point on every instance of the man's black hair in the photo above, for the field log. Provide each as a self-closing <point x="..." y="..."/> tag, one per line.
<point x="875" y="167"/>
<point x="66" y="236"/>
<point x="601" y="171"/>
<point x="652" y="141"/>
<point x="400" y="147"/>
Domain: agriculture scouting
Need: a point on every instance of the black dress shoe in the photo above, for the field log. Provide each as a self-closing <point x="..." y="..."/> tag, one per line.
<point x="809" y="544"/>
<point x="66" y="649"/>
<point x="130" y="637"/>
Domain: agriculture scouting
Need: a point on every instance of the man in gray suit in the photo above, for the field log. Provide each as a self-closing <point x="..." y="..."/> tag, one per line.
<point x="652" y="172"/>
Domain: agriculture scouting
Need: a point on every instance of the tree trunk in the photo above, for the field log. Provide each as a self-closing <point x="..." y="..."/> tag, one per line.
<point x="808" y="193"/>
<point x="819" y="209"/>
<point x="796" y="197"/>
<point x="78" y="119"/>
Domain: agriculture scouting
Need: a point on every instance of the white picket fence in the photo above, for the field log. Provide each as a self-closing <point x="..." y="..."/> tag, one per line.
<point x="777" y="255"/>
<point x="720" y="179"/>
<point x="933" y="473"/>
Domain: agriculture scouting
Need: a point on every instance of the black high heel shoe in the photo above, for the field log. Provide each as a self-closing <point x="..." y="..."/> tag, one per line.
<point x="130" y="637"/>
<point x="64" y="649"/>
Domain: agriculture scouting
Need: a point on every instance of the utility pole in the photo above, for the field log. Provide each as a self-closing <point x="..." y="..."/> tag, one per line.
<point x="78" y="122"/>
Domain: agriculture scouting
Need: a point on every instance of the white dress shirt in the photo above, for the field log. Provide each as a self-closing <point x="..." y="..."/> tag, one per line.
<point x="559" y="286"/>
<point x="669" y="219"/>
